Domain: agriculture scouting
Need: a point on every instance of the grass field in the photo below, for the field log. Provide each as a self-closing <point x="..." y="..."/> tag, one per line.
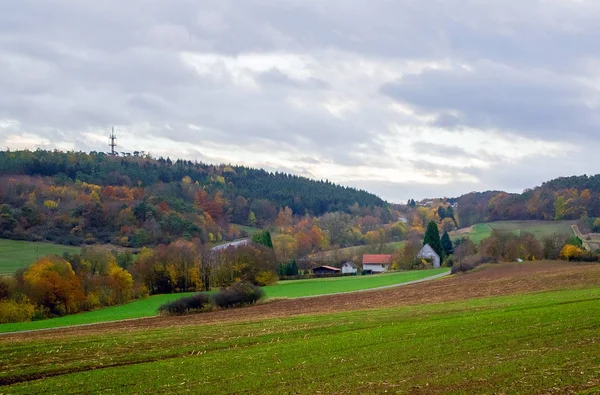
<point x="543" y="342"/>
<point x="136" y="309"/>
<point x="16" y="254"/>
<point x="539" y="229"/>
<point x="324" y="286"/>
<point x="248" y="229"/>
<point x="289" y="289"/>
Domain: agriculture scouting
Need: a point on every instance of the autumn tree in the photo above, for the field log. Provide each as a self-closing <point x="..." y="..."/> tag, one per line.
<point x="51" y="283"/>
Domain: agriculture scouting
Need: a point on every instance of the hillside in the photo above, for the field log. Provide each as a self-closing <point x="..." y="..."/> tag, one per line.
<point x="75" y="198"/>
<point x="567" y="198"/>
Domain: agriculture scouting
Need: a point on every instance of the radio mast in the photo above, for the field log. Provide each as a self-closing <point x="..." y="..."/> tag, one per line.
<point x="113" y="144"/>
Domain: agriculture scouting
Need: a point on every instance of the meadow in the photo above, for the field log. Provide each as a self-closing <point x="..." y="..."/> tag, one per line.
<point x="533" y="342"/>
<point x="539" y="229"/>
<point x="284" y="289"/>
<point x="325" y="286"/>
<point x="15" y="254"/>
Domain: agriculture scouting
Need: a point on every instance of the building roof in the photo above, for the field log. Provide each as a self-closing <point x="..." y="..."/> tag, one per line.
<point x="351" y="264"/>
<point x="335" y="269"/>
<point x="427" y="250"/>
<point x="377" y="259"/>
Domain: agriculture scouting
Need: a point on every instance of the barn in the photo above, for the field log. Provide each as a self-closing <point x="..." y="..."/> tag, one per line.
<point x="325" y="270"/>
<point x="428" y="253"/>
<point x="377" y="263"/>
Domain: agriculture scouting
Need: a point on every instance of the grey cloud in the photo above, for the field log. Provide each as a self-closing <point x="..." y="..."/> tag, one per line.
<point x="531" y="103"/>
<point x="275" y="76"/>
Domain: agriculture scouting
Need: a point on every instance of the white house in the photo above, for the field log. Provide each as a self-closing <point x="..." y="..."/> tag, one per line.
<point x="377" y="263"/>
<point x="428" y="253"/>
<point x="349" y="268"/>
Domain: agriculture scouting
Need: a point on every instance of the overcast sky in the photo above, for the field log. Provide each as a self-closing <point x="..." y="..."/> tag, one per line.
<point x="404" y="98"/>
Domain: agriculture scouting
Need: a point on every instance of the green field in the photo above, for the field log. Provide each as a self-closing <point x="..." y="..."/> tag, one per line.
<point x="289" y="289"/>
<point x="16" y="254"/>
<point x="136" y="309"/>
<point x="539" y="229"/>
<point x="543" y="342"/>
<point x="248" y="229"/>
<point x="324" y="286"/>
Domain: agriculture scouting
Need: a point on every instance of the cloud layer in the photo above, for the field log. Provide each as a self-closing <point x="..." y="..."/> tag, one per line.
<point x="407" y="99"/>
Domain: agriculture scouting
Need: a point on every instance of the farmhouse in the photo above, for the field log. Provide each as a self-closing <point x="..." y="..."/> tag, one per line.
<point x="323" y="270"/>
<point x="349" y="268"/>
<point x="377" y="263"/>
<point x="428" y="253"/>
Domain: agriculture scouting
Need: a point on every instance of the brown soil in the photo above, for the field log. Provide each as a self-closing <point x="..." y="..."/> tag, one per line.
<point x="493" y="280"/>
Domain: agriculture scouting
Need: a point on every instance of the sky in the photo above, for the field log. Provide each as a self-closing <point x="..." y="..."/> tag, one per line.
<point x="403" y="98"/>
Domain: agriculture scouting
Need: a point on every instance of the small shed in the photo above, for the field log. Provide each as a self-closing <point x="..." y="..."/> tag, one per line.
<point x="377" y="263"/>
<point x="324" y="270"/>
<point x="428" y="253"/>
<point x="349" y="268"/>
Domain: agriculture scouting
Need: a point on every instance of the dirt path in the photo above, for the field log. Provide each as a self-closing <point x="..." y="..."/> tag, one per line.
<point x="494" y="280"/>
<point x="581" y="236"/>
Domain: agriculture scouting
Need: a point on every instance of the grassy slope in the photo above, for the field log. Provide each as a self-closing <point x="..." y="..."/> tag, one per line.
<point x="248" y="229"/>
<point x="517" y="344"/>
<point x="538" y="228"/>
<point x="349" y="251"/>
<point x="16" y="254"/>
<point x="136" y="309"/>
<point x="147" y="307"/>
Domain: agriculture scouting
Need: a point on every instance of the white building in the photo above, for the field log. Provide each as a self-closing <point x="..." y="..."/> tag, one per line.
<point x="377" y="263"/>
<point x="349" y="268"/>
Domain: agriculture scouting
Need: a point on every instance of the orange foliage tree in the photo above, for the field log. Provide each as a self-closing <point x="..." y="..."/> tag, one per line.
<point x="51" y="283"/>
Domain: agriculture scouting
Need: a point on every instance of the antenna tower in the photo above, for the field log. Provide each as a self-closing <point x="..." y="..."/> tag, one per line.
<point x="113" y="144"/>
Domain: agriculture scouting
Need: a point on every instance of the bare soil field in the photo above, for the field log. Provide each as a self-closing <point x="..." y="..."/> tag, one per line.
<point x="491" y="280"/>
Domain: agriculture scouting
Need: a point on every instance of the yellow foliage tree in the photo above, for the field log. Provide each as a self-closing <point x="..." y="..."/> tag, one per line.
<point x="569" y="252"/>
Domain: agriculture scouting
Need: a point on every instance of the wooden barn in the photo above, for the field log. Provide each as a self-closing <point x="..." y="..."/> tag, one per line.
<point x="325" y="270"/>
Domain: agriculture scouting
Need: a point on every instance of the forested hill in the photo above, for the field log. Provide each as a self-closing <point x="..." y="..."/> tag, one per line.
<point x="76" y="197"/>
<point x="566" y="198"/>
<point x="301" y="194"/>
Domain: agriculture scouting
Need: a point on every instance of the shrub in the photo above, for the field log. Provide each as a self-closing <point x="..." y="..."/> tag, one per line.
<point x="570" y="252"/>
<point x="12" y="311"/>
<point x="266" y="278"/>
<point x="449" y="261"/>
<point x="462" y="267"/>
<point x="238" y="294"/>
<point x="189" y="304"/>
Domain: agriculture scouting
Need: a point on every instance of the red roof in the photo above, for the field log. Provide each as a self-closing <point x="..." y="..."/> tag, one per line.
<point x="335" y="269"/>
<point x="377" y="259"/>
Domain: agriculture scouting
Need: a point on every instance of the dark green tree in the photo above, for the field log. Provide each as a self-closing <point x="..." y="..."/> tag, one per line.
<point x="447" y="244"/>
<point x="263" y="238"/>
<point x="432" y="237"/>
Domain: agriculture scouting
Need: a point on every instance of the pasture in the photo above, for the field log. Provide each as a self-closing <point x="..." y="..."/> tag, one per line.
<point x="284" y="289"/>
<point x="505" y="328"/>
<point x="325" y="286"/>
<point x="15" y="254"/>
<point x="539" y="229"/>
